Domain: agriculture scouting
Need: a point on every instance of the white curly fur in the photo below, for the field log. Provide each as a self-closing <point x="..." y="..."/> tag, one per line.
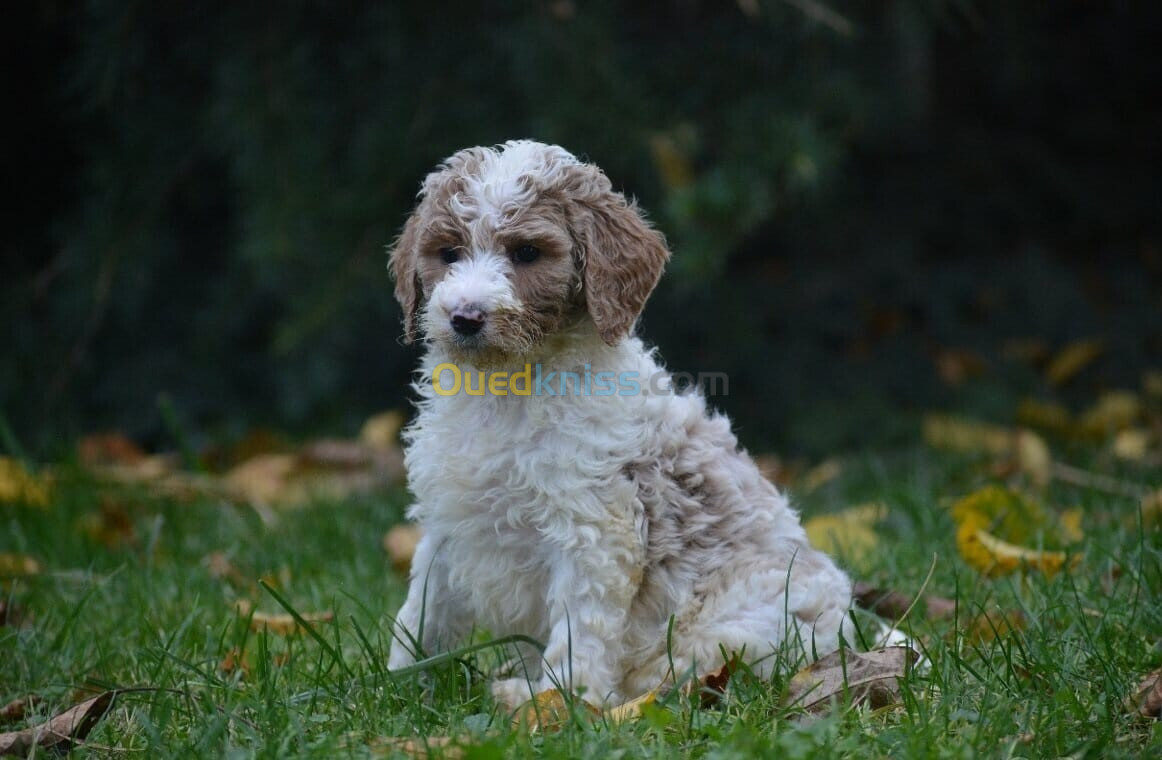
<point x="605" y="526"/>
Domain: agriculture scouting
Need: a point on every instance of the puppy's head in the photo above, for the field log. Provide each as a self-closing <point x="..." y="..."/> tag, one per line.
<point x="509" y="245"/>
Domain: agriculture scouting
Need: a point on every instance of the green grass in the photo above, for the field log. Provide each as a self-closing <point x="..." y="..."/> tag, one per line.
<point x="151" y="611"/>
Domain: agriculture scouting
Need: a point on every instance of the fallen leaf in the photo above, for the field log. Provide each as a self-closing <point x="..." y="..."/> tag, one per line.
<point x="17" y="564"/>
<point x="550" y="711"/>
<point x="1033" y="457"/>
<point x="19" y="486"/>
<point x="989" y="626"/>
<point x="221" y="568"/>
<point x="1133" y="445"/>
<point x="1113" y="411"/>
<point x="280" y="624"/>
<point x="450" y="747"/>
<point x="382" y="430"/>
<point x="234" y="660"/>
<point x="849" y="534"/>
<point x="952" y="433"/>
<point x="631" y="710"/>
<point x="264" y="479"/>
<point x="1071" y="360"/>
<point x="112" y="448"/>
<point x="400" y="544"/>
<point x="955" y="365"/>
<point x="990" y="519"/>
<point x="1044" y="415"/>
<point x="893" y="604"/>
<point x="18" y="708"/>
<point x="821" y="474"/>
<point x="60" y="733"/>
<point x="870" y="678"/>
<point x="1147" y="698"/>
<point x="110" y="525"/>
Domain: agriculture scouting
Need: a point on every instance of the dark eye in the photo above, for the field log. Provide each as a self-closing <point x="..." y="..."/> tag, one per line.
<point x="449" y="255"/>
<point x="526" y="254"/>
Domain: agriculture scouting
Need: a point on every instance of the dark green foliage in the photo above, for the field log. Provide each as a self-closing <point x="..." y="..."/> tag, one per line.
<point x="205" y="193"/>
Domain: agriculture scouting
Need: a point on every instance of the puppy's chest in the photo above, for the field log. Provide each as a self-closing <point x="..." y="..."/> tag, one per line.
<point x="507" y="463"/>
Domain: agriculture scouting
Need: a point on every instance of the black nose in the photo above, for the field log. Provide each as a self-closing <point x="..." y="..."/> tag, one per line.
<point x="467" y="321"/>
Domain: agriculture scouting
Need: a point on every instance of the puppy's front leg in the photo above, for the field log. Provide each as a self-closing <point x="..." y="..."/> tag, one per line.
<point x="430" y="617"/>
<point x="588" y="597"/>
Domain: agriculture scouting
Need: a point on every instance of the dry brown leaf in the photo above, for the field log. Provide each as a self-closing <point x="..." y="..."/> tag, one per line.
<point x="893" y="604"/>
<point x="221" y="568"/>
<point x="18" y="708"/>
<point x="550" y="711"/>
<point x="631" y="710"/>
<point x="1147" y="698"/>
<point x="103" y="449"/>
<point x="263" y="479"/>
<point x="280" y="624"/>
<point x="17" y="564"/>
<point x="60" y="733"/>
<point x="1071" y="360"/>
<point x="955" y="365"/>
<point x="234" y="660"/>
<point x="400" y="544"/>
<point x="989" y="626"/>
<point x="110" y="525"/>
<point x="382" y="430"/>
<point x="870" y="678"/>
<point x="1133" y="445"/>
<point x="451" y="747"/>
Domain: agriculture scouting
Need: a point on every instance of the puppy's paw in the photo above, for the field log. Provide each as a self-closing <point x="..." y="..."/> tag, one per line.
<point x="511" y="693"/>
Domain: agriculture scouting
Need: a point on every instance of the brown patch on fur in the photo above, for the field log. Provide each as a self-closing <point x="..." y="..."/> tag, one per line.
<point x="408" y="290"/>
<point x="622" y="257"/>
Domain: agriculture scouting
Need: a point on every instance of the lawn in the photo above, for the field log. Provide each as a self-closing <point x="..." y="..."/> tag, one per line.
<point x="165" y="593"/>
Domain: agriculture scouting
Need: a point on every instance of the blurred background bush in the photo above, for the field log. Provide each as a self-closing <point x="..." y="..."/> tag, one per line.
<point x="875" y="207"/>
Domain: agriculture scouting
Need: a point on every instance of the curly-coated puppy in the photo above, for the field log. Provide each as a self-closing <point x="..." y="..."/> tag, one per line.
<point x="565" y="490"/>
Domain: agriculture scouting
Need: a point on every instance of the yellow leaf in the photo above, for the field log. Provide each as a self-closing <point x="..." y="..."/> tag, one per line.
<point x="671" y="162"/>
<point x="400" y="544"/>
<point x="1132" y="445"/>
<point x="821" y="474"/>
<point x="382" y="430"/>
<point x="19" y="486"/>
<point x="849" y="534"/>
<point x="1114" y="411"/>
<point x="1033" y="457"/>
<point x="631" y="710"/>
<point x="549" y="711"/>
<point x="1072" y="359"/>
<point x="970" y="436"/>
<point x="1044" y="415"/>
<point x="17" y="564"/>
<point x="982" y="514"/>
<point x="280" y="624"/>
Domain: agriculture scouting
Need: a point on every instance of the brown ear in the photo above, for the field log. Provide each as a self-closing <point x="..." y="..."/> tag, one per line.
<point x="408" y="290"/>
<point x="623" y="259"/>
